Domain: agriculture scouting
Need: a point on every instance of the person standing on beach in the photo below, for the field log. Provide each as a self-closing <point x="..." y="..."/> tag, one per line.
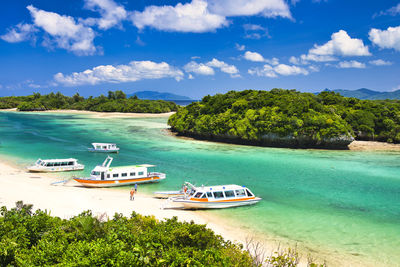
<point x="132" y="194"/>
<point x="135" y="188"/>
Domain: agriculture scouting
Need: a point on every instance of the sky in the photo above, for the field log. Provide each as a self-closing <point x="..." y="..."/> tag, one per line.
<point x="198" y="47"/>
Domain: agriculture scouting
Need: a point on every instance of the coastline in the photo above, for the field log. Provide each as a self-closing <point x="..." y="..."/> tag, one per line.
<point x="97" y="114"/>
<point x="66" y="201"/>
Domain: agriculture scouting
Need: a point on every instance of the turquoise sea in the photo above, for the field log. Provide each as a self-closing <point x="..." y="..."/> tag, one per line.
<point x="337" y="204"/>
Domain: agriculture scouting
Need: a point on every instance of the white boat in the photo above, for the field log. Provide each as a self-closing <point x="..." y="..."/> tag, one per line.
<point x="56" y="165"/>
<point x="179" y="193"/>
<point x="217" y="197"/>
<point x="105" y="176"/>
<point x="104" y="147"/>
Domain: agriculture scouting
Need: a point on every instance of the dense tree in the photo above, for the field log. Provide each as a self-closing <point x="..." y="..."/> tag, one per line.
<point x="115" y="102"/>
<point x="30" y="238"/>
<point x="289" y="118"/>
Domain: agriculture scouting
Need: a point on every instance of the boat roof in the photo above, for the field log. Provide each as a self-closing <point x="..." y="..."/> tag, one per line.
<point x="103" y="144"/>
<point x="129" y="166"/>
<point x="220" y="187"/>
<point x="58" y="160"/>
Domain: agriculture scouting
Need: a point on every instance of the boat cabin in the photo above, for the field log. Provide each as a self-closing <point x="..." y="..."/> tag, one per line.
<point x="105" y="172"/>
<point x="216" y="193"/>
<point x="104" y="146"/>
<point x="56" y="162"/>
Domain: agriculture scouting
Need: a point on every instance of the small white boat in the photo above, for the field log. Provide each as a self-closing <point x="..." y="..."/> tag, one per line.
<point x="105" y="176"/>
<point x="56" y="165"/>
<point x="217" y="197"/>
<point x="167" y="194"/>
<point x="104" y="147"/>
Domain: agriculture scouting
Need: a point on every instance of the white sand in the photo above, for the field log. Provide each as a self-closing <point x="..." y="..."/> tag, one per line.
<point x="100" y="114"/>
<point x="373" y="146"/>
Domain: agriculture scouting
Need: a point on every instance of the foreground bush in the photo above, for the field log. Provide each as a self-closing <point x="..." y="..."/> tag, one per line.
<point x="35" y="239"/>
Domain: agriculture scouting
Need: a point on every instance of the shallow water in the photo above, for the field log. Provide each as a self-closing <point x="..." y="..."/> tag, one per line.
<point x="337" y="203"/>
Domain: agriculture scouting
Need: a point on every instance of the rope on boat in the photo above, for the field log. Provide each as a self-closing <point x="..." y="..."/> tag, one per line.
<point x="61" y="182"/>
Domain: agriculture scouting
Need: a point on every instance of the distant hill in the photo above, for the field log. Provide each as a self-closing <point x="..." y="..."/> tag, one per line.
<point x="153" y="95"/>
<point x="365" y="93"/>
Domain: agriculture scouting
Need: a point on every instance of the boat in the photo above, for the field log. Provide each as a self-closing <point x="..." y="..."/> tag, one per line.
<point x="105" y="176"/>
<point x="179" y="193"/>
<point x="217" y="197"/>
<point x="104" y="147"/>
<point x="56" y="165"/>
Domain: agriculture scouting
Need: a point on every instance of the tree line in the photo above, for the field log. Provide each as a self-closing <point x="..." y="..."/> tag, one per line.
<point x="301" y="119"/>
<point x="114" y="102"/>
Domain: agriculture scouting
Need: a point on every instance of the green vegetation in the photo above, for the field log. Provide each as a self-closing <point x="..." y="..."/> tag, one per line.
<point x="38" y="239"/>
<point x="114" y="102"/>
<point x="287" y="118"/>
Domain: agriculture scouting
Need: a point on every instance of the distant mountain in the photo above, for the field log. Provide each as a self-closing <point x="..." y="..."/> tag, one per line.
<point x="153" y="95"/>
<point x="365" y="93"/>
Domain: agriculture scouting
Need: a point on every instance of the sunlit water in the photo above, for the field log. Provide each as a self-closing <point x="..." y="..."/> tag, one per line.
<point x="340" y="204"/>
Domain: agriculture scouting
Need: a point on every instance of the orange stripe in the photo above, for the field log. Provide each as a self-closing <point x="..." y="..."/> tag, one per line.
<point x="225" y="200"/>
<point x="114" y="181"/>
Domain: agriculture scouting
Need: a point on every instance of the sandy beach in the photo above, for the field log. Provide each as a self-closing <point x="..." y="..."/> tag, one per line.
<point x="373" y="146"/>
<point x="100" y="114"/>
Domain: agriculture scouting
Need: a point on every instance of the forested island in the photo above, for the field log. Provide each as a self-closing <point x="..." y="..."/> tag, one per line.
<point x="288" y="118"/>
<point x="114" y="102"/>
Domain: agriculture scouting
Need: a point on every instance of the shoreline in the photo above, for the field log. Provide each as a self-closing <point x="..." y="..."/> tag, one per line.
<point x="66" y="201"/>
<point x="96" y="114"/>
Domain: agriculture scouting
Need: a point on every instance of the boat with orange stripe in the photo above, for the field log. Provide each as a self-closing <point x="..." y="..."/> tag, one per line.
<point x="105" y="176"/>
<point x="217" y="197"/>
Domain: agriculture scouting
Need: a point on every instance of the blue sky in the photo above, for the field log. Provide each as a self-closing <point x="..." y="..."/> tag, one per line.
<point x="198" y="47"/>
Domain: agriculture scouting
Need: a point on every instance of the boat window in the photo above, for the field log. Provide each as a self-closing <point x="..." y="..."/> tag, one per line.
<point x="240" y="193"/>
<point x="115" y="175"/>
<point x="249" y="194"/>
<point x="204" y="196"/>
<point x="57" y="164"/>
<point x="38" y="162"/>
<point x="124" y="174"/>
<point x="63" y="164"/>
<point x="198" y="194"/>
<point x="209" y="194"/>
<point x="218" y="195"/>
<point x="95" y="173"/>
<point x="132" y="174"/>
<point x="229" y="193"/>
<point x="108" y="176"/>
<point x="43" y="163"/>
<point x="50" y="164"/>
<point x="70" y="163"/>
<point x="140" y="173"/>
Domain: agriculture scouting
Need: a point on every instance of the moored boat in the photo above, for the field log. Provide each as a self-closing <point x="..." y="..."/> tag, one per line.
<point x="104" y="148"/>
<point x="187" y="189"/>
<point x="105" y="176"/>
<point x="217" y="197"/>
<point x="56" y="165"/>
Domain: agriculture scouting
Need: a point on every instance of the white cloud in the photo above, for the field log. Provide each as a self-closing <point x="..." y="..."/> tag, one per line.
<point x="255" y="31"/>
<point x="134" y="71"/>
<point x="281" y="69"/>
<point x="21" y="32"/>
<point x="393" y="11"/>
<point x="341" y="44"/>
<point x="389" y="38"/>
<point x="380" y="62"/>
<point x="111" y="13"/>
<point x="351" y="64"/>
<point x="266" y="8"/>
<point x="253" y="56"/>
<point x="224" y="67"/>
<point x="67" y="33"/>
<point x="240" y="47"/>
<point x="256" y="57"/>
<point x="189" y="17"/>
<point x="198" y="68"/>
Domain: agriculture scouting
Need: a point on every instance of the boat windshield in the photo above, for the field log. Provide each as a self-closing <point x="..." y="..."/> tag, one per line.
<point x="240" y="193"/>
<point x="249" y="194"/>
<point x="198" y="194"/>
<point x="94" y="173"/>
<point x="39" y="162"/>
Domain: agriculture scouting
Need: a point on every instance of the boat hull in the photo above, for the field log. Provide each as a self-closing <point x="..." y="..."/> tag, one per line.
<point x="35" y="169"/>
<point x="167" y="194"/>
<point x="103" y="151"/>
<point x="190" y="204"/>
<point x="119" y="182"/>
